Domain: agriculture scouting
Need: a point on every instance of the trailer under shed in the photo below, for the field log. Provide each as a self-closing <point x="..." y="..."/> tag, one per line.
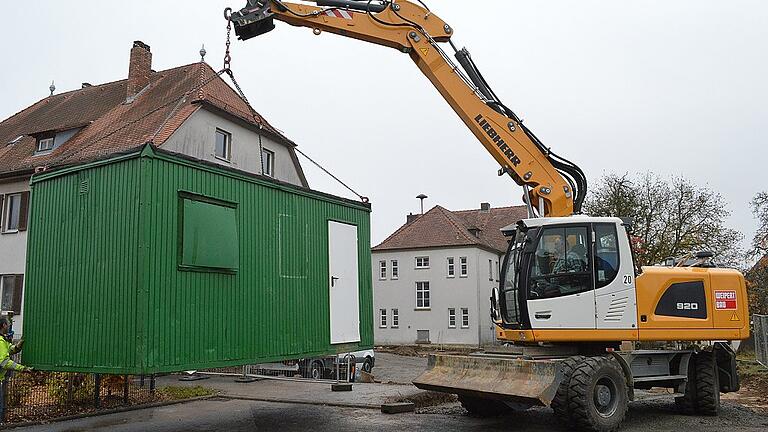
<point x="152" y="262"/>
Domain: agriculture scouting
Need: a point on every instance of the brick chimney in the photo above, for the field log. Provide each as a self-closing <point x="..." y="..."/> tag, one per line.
<point x="485" y="207"/>
<point x="411" y="218"/>
<point x="139" y="69"/>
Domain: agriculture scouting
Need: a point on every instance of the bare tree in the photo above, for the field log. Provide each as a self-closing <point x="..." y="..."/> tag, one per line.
<point x="760" y="209"/>
<point x="757" y="276"/>
<point x="672" y="217"/>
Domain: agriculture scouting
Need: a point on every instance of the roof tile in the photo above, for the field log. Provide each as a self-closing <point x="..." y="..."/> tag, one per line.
<point x="440" y="227"/>
<point x="111" y="125"/>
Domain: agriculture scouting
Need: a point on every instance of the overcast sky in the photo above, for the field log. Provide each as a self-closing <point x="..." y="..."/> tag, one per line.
<point x="674" y="87"/>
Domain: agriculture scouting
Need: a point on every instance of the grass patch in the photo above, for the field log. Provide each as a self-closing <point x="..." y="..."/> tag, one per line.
<point x="749" y="367"/>
<point x="180" y="392"/>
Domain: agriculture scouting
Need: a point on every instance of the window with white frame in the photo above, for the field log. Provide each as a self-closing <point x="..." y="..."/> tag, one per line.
<point x="451" y="267"/>
<point x="464" y="267"/>
<point x="382" y="318"/>
<point x="223" y="148"/>
<point x="382" y="270"/>
<point x="11" y="212"/>
<point x="422" y="295"/>
<point x="451" y="318"/>
<point x="45" y="144"/>
<point x="422" y="262"/>
<point x="464" y="318"/>
<point x="490" y="270"/>
<point x="268" y="162"/>
<point x="395" y="269"/>
<point x="395" y="318"/>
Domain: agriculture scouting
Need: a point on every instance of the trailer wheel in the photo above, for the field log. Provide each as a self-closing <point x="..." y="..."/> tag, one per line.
<point x="560" y="402"/>
<point x="686" y="404"/>
<point x="597" y="394"/>
<point x="707" y="384"/>
<point x="316" y="370"/>
<point x="479" y="407"/>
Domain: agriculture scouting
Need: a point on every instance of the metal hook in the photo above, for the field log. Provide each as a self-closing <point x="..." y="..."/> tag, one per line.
<point x="228" y="14"/>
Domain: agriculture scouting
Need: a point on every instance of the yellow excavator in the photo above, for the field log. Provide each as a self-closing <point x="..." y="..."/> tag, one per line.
<point x="581" y="328"/>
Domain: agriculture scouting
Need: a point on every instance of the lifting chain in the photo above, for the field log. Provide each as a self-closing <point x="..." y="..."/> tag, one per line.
<point x="256" y="117"/>
<point x="227" y="56"/>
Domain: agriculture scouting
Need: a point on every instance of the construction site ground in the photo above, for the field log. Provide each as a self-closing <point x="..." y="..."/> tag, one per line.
<point x="299" y="406"/>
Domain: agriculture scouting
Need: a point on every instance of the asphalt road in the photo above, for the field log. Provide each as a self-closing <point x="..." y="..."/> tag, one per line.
<point x="239" y="415"/>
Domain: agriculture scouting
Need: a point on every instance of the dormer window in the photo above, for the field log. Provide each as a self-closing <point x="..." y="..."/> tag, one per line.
<point x="44" y="145"/>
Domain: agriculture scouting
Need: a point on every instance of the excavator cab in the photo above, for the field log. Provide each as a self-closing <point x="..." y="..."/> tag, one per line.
<point x="565" y="273"/>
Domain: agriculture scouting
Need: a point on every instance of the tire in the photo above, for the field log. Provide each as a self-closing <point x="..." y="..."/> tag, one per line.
<point x="560" y="402"/>
<point x="479" y="407"/>
<point x="316" y="370"/>
<point x="367" y="365"/>
<point x="707" y="384"/>
<point x="597" y="394"/>
<point x="686" y="404"/>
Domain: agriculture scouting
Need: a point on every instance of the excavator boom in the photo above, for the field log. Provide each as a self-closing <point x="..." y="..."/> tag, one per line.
<point x="554" y="186"/>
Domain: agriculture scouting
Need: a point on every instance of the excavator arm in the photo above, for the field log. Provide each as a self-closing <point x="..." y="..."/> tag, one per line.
<point x="554" y="186"/>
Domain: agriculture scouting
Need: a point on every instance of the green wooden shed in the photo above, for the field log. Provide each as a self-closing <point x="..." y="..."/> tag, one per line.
<point x="153" y="262"/>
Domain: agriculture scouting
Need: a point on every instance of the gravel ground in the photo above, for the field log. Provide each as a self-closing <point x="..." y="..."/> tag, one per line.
<point x="239" y="415"/>
<point x="248" y="415"/>
<point x="395" y="369"/>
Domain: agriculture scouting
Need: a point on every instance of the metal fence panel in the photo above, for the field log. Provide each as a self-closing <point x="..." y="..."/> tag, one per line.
<point x="761" y="338"/>
<point x="46" y="395"/>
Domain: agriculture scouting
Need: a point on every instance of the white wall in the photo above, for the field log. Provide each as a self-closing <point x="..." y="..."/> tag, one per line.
<point x="197" y="138"/>
<point x="485" y="284"/>
<point x="470" y="292"/>
<point x="13" y="249"/>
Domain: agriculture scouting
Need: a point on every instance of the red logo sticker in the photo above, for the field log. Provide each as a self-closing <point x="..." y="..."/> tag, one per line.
<point x="725" y="300"/>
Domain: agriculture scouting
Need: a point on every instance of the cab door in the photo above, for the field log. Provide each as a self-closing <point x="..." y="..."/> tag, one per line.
<point x="560" y="285"/>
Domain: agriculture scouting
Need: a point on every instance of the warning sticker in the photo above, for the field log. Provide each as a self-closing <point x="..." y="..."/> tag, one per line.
<point x="735" y="317"/>
<point x="725" y="300"/>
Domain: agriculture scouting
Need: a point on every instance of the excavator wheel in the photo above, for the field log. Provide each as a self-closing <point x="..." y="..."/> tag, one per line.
<point x="707" y="384"/>
<point x="479" y="407"/>
<point x="560" y="402"/>
<point x="597" y="394"/>
<point x="686" y="404"/>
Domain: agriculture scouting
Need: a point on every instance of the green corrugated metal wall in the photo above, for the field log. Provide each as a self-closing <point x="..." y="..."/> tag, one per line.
<point x="105" y="293"/>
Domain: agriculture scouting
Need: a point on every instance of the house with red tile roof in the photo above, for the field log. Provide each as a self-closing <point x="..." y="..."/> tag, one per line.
<point x="188" y="110"/>
<point x="432" y="278"/>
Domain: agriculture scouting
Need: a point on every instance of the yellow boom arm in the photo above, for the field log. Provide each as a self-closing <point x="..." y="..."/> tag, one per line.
<point x="412" y="29"/>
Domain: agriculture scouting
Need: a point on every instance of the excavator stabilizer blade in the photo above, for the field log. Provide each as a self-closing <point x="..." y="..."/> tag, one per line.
<point x="512" y="379"/>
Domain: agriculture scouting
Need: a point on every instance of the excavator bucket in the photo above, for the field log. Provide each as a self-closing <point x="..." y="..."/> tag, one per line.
<point x="510" y="379"/>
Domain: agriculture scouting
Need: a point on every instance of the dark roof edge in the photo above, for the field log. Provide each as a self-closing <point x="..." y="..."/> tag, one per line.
<point x="10" y="176"/>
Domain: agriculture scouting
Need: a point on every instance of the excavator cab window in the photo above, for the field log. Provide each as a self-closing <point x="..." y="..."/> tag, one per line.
<point x="606" y="254"/>
<point x="509" y="294"/>
<point x="561" y="264"/>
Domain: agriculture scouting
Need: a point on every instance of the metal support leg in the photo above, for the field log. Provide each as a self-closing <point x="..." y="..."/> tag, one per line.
<point x="125" y="390"/>
<point x="97" y="390"/>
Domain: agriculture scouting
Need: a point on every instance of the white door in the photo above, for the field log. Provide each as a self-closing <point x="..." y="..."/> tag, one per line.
<point x="560" y="292"/>
<point x="343" y="283"/>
